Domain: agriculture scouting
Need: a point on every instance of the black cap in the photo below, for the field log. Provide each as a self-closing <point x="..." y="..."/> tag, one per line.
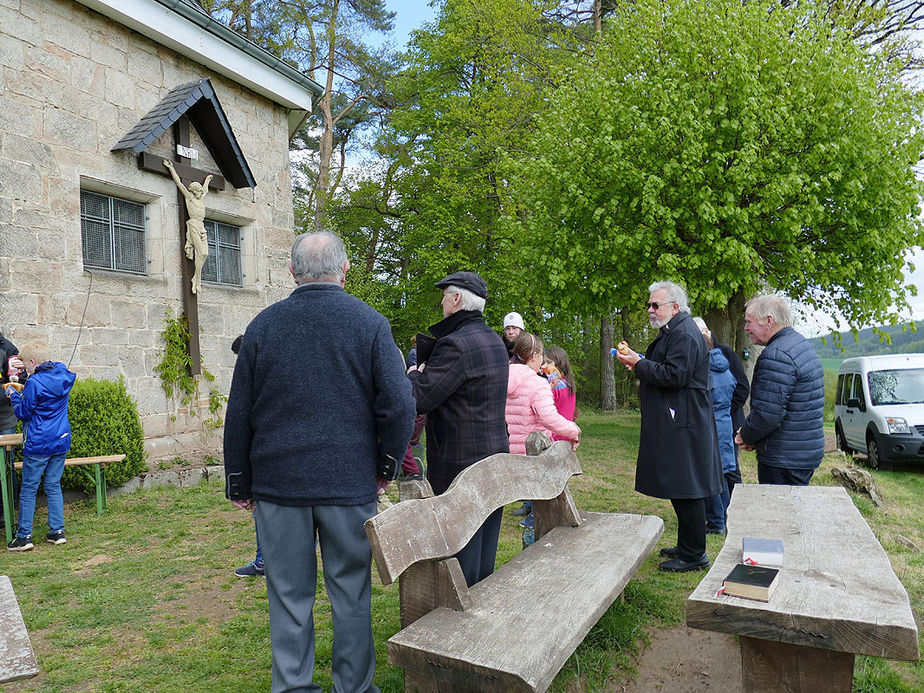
<point x="465" y="280"/>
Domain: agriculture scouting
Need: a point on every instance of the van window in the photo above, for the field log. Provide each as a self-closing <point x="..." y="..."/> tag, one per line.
<point x="904" y="386"/>
<point x="857" y="391"/>
<point x="843" y="386"/>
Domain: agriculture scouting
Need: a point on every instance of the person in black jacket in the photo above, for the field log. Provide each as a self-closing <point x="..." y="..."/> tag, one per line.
<point x="715" y="510"/>
<point x="9" y="362"/>
<point x="7" y="351"/>
<point x="678" y="456"/>
<point x="786" y="424"/>
<point x="320" y="409"/>
<point x="462" y="388"/>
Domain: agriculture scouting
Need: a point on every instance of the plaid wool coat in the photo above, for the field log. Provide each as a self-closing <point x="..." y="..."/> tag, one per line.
<point x="463" y="392"/>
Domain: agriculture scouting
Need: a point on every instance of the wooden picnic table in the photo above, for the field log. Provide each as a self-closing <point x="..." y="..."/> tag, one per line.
<point x="837" y="596"/>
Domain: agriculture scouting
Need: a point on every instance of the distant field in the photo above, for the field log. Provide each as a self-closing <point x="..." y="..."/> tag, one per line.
<point x="831" y="364"/>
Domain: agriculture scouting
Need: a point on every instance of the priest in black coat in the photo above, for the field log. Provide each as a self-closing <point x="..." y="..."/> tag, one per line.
<point x="678" y="456"/>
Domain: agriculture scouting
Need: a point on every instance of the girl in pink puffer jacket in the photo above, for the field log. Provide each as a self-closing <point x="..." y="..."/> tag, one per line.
<point x="530" y="405"/>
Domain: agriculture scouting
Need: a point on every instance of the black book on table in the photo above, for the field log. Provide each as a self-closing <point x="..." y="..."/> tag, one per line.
<point x="751" y="582"/>
<point x="425" y="344"/>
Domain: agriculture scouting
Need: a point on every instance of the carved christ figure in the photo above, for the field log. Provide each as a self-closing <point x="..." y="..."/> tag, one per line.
<point x="197" y="246"/>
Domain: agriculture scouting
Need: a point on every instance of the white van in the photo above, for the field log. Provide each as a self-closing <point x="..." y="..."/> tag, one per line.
<point x="879" y="408"/>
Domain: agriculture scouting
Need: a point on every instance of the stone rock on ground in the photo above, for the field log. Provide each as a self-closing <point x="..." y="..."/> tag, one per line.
<point x="859" y="481"/>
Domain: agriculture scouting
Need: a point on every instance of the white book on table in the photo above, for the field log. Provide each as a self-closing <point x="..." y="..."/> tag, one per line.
<point x="755" y="551"/>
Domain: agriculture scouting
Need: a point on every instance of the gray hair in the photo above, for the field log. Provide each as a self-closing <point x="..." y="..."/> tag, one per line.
<point x="469" y="300"/>
<point x="770" y="305"/>
<point x="675" y="293"/>
<point x="318" y="257"/>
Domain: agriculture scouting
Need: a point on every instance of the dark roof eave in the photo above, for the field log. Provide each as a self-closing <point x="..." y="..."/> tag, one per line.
<point x="198" y="101"/>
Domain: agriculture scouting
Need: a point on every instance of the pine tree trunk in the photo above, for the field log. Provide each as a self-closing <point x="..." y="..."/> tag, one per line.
<point x="326" y="141"/>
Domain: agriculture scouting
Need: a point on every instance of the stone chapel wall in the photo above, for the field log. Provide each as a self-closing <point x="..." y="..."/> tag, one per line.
<point x="74" y="82"/>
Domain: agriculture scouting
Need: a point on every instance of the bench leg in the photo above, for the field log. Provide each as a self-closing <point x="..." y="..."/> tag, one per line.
<point x="98" y="477"/>
<point x="768" y="666"/>
<point x="6" y="489"/>
<point x="415" y="682"/>
<point x="100" y="488"/>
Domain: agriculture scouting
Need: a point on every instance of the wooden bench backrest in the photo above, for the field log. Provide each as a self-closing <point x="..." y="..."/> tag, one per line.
<point x="440" y="526"/>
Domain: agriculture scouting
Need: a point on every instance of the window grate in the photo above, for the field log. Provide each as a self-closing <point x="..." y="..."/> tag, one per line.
<point x="223" y="265"/>
<point x="112" y="233"/>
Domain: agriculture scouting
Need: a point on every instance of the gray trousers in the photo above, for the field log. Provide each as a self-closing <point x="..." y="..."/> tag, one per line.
<point x="287" y="536"/>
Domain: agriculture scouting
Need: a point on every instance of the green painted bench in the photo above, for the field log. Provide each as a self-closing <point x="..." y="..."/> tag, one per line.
<point x="97" y="475"/>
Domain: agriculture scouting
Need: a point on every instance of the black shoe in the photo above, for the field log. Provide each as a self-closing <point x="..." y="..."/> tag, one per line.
<point x="669" y="553"/>
<point x="56" y="537"/>
<point x="678" y="565"/>
<point x="251" y="570"/>
<point x="414" y="477"/>
<point x="715" y="530"/>
<point x="20" y="544"/>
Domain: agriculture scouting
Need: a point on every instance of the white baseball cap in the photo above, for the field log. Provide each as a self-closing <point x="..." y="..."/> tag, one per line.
<point x="514" y="320"/>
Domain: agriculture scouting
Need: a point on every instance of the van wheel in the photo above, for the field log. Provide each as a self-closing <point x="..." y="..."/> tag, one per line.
<point x="841" y="439"/>
<point x="874" y="453"/>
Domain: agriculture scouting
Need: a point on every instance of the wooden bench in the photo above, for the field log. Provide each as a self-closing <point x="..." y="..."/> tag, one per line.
<point x="97" y="476"/>
<point x="837" y="594"/>
<point x="17" y="660"/>
<point x="514" y="630"/>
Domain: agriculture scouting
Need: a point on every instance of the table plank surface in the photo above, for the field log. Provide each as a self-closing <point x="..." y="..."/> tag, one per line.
<point x="837" y="589"/>
<point x="10" y="439"/>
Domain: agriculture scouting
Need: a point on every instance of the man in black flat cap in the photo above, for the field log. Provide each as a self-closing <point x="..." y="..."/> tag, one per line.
<point x="462" y="388"/>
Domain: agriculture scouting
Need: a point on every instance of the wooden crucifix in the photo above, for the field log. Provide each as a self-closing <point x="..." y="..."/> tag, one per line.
<point x="192" y="186"/>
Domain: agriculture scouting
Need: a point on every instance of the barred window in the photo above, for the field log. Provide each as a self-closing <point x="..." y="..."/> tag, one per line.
<point x="223" y="265"/>
<point x="112" y="231"/>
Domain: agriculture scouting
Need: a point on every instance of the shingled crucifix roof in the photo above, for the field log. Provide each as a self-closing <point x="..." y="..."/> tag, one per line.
<point x="197" y="101"/>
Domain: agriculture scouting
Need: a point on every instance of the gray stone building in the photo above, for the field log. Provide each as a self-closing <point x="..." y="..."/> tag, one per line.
<point x="96" y="94"/>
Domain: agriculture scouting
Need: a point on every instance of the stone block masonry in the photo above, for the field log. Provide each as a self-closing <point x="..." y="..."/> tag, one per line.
<point x="74" y="83"/>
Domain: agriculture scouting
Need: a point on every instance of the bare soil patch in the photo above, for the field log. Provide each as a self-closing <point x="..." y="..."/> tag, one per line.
<point x="687" y="660"/>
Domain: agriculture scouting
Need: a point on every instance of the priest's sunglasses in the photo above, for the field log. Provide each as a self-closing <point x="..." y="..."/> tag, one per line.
<point x="656" y="305"/>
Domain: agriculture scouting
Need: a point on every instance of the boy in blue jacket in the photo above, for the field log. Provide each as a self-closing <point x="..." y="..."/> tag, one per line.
<point x="42" y="407"/>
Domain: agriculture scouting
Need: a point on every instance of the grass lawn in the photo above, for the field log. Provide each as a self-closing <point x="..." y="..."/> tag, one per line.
<point x="143" y="598"/>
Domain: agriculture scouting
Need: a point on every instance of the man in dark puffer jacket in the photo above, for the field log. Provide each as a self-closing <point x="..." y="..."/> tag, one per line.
<point x="787" y="397"/>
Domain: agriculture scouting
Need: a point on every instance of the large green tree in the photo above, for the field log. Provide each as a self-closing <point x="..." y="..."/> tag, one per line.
<point x="472" y="83"/>
<point x="736" y="147"/>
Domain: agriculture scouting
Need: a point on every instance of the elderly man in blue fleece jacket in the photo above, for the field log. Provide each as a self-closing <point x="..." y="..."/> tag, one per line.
<point x="320" y="408"/>
<point x="785" y="425"/>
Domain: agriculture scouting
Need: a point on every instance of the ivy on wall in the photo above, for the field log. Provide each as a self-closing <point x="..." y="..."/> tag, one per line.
<point x="175" y="376"/>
